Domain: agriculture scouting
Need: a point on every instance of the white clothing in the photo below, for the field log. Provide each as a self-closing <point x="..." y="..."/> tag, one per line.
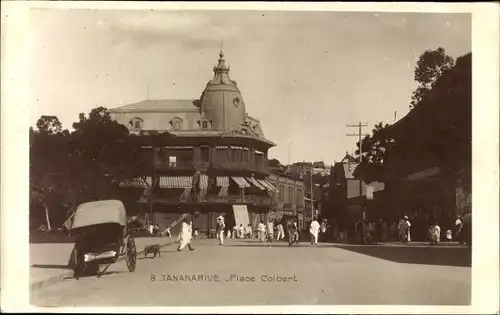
<point x="261" y="228"/>
<point x="185" y="235"/>
<point x="314" y="228"/>
<point x="220" y="236"/>
<point x="151" y="229"/>
<point x="270" y="228"/>
<point x="281" y="232"/>
<point x="228" y="234"/>
<point x="241" y="232"/>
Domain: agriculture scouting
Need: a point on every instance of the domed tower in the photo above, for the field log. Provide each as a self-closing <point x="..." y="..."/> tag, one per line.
<point x="221" y="100"/>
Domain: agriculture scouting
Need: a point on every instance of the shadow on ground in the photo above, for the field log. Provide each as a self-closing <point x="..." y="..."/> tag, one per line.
<point x="458" y="257"/>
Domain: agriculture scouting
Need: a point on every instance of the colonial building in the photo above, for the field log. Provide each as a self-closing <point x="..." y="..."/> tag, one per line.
<point x="217" y="158"/>
<point x="289" y="200"/>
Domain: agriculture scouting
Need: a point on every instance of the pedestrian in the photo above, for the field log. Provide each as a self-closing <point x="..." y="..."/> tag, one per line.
<point x="168" y="233"/>
<point x="235" y="231"/>
<point x="270" y="231"/>
<point x="151" y="229"/>
<point x="323" y="230"/>
<point x="241" y="231"/>
<point x="249" y="232"/>
<point x="185" y="236"/>
<point x="228" y="233"/>
<point x="293" y="232"/>
<point x="281" y="232"/>
<point x="458" y="230"/>
<point x="314" y="231"/>
<point x="434" y="233"/>
<point x="220" y="229"/>
<point x="404" y="229"/>
<point x="262" y="231"/>
<point x="449" y="235"/>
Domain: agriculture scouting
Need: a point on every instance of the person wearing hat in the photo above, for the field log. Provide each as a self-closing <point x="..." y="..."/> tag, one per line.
<point x="404" y="229"/>
<point x="220" y="229"/>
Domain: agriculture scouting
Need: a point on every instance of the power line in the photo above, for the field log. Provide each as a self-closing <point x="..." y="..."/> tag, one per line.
<point x="360" y="134"/>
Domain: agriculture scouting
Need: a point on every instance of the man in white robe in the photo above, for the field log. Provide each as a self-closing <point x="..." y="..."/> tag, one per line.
<point x="220" y="229"/>
<point x="314" y="231"/>
<point x="185" y="236"/>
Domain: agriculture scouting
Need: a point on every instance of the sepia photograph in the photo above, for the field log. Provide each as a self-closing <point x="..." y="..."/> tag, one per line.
<point x="183" y="158"/>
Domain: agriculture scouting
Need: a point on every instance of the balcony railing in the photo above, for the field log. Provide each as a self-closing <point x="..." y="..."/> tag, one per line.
<point x="239" y="166"/>
<point x="248" y="199"/>
<point x="183" y="165"/>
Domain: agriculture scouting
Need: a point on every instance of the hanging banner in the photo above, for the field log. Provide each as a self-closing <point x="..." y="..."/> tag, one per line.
<point x="241" y="215"/>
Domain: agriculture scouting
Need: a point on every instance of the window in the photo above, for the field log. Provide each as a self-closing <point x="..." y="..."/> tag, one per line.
<point x="176" y="123"/>
<point x="172" y="161"/>
<point x="290" y="195"/>
<point x="136" y="123"/>
<point x="204" y="124"/>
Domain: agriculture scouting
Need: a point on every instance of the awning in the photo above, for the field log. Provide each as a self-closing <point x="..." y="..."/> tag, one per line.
<point x="203" y="181"/>
<point x="221" y="147"/>
<point x="236" y="148"/>
<point x="176" y="182"/>
<point x="258" y="152"/>
<point x="241" y="182"/>
<point x="256" y="183"/>
<point x="222" y="181"/>
<point x="268" y="185"/>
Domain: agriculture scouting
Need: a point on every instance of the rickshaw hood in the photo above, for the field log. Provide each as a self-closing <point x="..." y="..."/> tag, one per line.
<point x="99" y="212"/>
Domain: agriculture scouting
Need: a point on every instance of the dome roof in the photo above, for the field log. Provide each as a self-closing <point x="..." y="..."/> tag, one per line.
<point x="221" y="101"/>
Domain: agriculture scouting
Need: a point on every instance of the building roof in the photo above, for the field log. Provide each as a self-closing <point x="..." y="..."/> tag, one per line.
<point x="161" y="105"/>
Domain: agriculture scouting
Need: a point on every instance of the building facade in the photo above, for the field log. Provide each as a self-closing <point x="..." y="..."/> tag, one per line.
<point x="216" y="155"/>
<point x="350" y="197"/>
<point x="289" y="199"/>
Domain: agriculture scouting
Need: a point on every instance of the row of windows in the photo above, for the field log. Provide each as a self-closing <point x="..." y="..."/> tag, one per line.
<point x="289" y="196"/>
<point x="176" y="123"/>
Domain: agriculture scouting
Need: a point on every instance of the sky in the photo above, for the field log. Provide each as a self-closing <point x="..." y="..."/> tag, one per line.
<point x="304" y="75"/>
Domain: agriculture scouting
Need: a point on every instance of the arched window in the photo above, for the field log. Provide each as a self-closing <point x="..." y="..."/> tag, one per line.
<point x="136" y="123"/>
<point x="176" y="123"/>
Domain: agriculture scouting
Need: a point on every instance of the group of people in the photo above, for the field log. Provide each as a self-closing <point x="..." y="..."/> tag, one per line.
<point x="369" y="231"/>
<point x="270" y="231"/>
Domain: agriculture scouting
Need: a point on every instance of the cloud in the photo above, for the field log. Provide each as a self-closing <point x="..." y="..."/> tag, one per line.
<point x="192" y="30"/>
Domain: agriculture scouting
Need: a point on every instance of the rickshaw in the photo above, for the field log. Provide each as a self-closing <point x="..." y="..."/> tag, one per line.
<point x="102" y="237"/>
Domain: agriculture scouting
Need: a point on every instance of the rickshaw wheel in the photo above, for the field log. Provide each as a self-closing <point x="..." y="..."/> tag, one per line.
<point x="131" y="255"/>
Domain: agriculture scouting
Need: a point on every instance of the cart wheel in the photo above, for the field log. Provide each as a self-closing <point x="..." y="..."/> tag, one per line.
<point x="131" y="254"/>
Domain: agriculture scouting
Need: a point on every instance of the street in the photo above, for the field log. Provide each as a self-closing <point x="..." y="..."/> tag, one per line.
<point x="245" y="272"/>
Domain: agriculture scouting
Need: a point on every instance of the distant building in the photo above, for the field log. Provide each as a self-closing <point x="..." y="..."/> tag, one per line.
<point x="289" y="198"/>
<point x="217" y="158"/>
<point x="346" y="199"/>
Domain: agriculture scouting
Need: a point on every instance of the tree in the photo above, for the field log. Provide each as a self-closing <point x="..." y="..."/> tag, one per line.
<point x="274" y="163"/>
<point x="374" y="148"/>
<point x="49" y="125"/>
<point x="430" y="67"/>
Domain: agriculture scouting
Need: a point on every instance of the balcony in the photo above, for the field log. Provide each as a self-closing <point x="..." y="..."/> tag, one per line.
<point x="248" y="199"/>
<point x="183" y="165"/>
<point x="239" y="166"/>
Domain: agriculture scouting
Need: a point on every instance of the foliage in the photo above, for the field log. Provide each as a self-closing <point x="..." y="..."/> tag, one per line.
<point x="87" y="164"/>
<point x="374" y="150"/>
<point x="438" y="132"/>
<point x="274" y="163"/>
<point x="430" y="67"/>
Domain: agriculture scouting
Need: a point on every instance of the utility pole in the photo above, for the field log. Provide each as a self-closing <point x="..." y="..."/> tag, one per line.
<point x="360" y="135"/>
